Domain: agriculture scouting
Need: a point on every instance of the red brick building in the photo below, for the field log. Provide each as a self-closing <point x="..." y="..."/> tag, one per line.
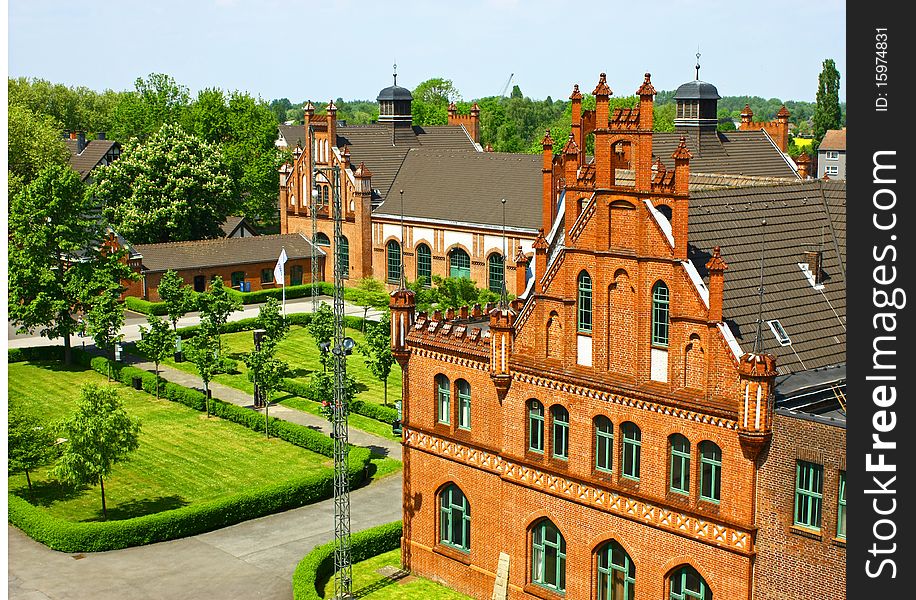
<point x="607" y="434"/>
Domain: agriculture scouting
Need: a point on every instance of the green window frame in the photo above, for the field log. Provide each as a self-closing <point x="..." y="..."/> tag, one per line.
<point x="679" y="480"/>
<point x="584" y="304"/>
<point x="604" y="444"/>
<point x="616" y="573"/>
<point x="343" y="256"/>
<point x="322" y="239"/>
<point x="464" y="404"/>
<point x="443" y="399"/>
<point x="393" y="254"/>
<point x="632" y="450"/>
<point x="841" y="507"/>
<point x="687" y="584"/>
<point x="559" y="417"/>
<point x="548" y="557"/>
<point x="425" y="264"/>
<point x="809" y="490"/>
<point x="660" y="314"/>
<point x="496" y="269"/>
<point x="237" y="278"/>
<point x="459" y="264"/>
<point x="454" y="519"/>
<point x="710" y="472"/>
<point x="535" y="426"/>
<point x="267" y="275"/>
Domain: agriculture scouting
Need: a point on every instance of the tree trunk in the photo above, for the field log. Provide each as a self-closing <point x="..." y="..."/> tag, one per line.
<point x="104" y="510"/>
<point x="365" y="315"/>
<point x="266" y="419"/>
<point x="157" y="381"/>
<point x="111" y="360"/>
<point x="207" y="398"/>
<point x="28" y="480"/>
<point x="68" y="356"/>
<point x="385" y="382"/>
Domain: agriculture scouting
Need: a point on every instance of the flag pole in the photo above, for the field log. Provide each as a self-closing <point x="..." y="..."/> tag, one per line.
<point x="283" y="251"/>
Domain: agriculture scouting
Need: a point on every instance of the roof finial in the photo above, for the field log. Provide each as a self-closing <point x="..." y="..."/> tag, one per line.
<point x="698" y="63"/>
<point x="758" y="339"/>
<point x="395" y="73"/>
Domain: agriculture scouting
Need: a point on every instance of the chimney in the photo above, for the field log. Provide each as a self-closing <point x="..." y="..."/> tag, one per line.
<point x="716" y="267"/>
<point x="475" y="122"/>
<point x="100" y="135"/>
<point x="646" y="93"/>
<point x="680" y="209"/>
<point x="576" y="107"/>
<point x="601" y="92"/>
<point x="547" y="182"/>
<point x="332" y="126"/>
<point x="746" y="115"/>
<point x="521" y="267"/>
<point x="804" y="165"/>
<point x="813" y="260"/>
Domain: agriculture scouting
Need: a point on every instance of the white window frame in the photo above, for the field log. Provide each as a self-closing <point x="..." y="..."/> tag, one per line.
<point x="779" y="332"/>
<point x="832" y="169"/>
<point x="833" y="155"/>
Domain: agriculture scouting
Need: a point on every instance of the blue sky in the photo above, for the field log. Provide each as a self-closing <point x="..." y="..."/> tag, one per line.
<point x="332" y="49"/>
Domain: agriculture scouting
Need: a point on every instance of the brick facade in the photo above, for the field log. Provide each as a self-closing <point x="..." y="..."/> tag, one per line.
<point x="777" y="129"/>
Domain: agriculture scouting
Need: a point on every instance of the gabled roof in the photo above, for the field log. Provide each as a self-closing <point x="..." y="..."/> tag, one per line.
<point x="93" y="155"/>
<point x="802" y="216"/>
<point x="466" y="187"/>
<point x="220" y="252"/>
<point x="834" y="139"/>
<point x="732" y="152"/>
<point x="231" y="224"/>
<point x="292" y="134"/>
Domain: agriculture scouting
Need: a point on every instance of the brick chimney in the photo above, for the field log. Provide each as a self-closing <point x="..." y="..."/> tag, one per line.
<point x="332" y="126"/>
<point x="804" y="165"/>
<point x="547" y="181"/>
<point x="576" y="107"/>
<point x="813" y="259"/>
<point x="521" y="266"/>
<point x="680" y="209"/>
<point x="716" y="267"/>
<point x="646" y="93"/>
<point x="747" y="116"/>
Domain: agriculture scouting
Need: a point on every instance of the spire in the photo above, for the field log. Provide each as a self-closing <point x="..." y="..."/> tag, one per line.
<point x="602" y="88"/>
<point x="681" y="152"/>
<point x="395" y="66"/>
<point x="571" y="147"/>
<point x="646" y="89"/>
<point x="698" y="64"/>
<point x="547" y="142"/>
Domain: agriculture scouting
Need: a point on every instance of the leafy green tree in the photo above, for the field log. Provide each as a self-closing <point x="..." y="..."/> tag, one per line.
<point x="172" y="187"/>
<point x="321" y="389"/>
<point x="30" y="442"/>
<point x="156" y="343"/>
<point x="203" y="350"/>
<point x="368" y="292"/>
<point x="34" y="145"/>
<point x="279" y="107"/>
<point x="431" y="99"/>
<point x="215" y="305"/>
<point x="827" y="114"/>
<point x="75" y="108"/>
<point x="663" y="118"/>
<point x="321" y="328"/>
<point x="377" y="351"/>
<point x="156" y="101"/>
<point x="179" y="298"/>
<point x="266" y="371"/>
<point x="104" y="321"/>
<point x="454" y="292"/>
<point x="272" y="321"/>
<point x="100" y="435"/>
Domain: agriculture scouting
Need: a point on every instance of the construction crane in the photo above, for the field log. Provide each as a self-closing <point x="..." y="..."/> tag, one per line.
<point x="506" y="87"/>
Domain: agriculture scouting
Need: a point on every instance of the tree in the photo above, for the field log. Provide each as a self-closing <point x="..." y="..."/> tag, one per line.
<point x="156" y="343"/>
<point x="30" y="443"/>
<point x="156" y="101"/>
<point x="272" y="321"/>
<point x="321" y="390"/>
<point x="827" y="114"/>
<point x="431" y="99"/>
<point x="34" y="144"/>
<point x="367" y="293"/>
<point x="178" y="297"/>
<point x="321" y="328"/>
<point x="104" y="320"/>
<point x="215" y="305"/>
<point x="203" y="350"/>
<point x="55" y="260"/>
<point x="377" y="351"/>
<point x="266" y="371"/>
<point x="172" y="187"/>
<point x="100" y="435"/>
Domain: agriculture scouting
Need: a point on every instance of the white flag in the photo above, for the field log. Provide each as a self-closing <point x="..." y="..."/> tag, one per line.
<point x="279" y="272"/>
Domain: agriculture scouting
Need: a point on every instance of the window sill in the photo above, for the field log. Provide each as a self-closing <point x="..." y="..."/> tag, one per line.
<point x="540" y="591"/>
<point x="841" y="542"/>
<point x="453" y="553"/>
<point x="813" y="534"/>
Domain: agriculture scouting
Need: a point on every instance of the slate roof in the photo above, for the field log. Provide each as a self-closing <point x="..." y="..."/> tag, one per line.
<point x="796" y="215"/>
<point x="90" y="157"/>
<point x="697" y="90"/>
<point x="466" y="187"/>
<point x="834" y="139"/>
<point x="293" y="134"/>
<point x="203" y="254"/>
<point x="394" y="92"/>
<point x="731" y="152"/>
<point x="232" y="223"/>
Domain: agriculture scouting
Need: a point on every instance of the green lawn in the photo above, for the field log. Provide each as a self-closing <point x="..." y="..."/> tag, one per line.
<point x="368" y="583"/>
<point x="183" y="457"/>
<point x="301" y="352"/>
<point x="356" y="421"/>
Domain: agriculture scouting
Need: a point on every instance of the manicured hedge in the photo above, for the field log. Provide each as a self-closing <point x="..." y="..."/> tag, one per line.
<point x="292" y="291"/>
<point x="302" y="319"/>
<point x="317" y="567"/>
<point x="145" y="306"/>
<point x="15" y="355"/>
<point x="385" y="414"/>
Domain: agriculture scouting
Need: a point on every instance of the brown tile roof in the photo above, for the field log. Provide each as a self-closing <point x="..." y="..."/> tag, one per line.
<point x="732" y="152"/>
<point x="90" y="157"/>
<point x="466" y="187"/>
<point x="232" y="223"/>
<point x="834" y="139"/>
<point x="202" y="254"/>
<point x="802" y="216"/>
<point x="292" y="134"/>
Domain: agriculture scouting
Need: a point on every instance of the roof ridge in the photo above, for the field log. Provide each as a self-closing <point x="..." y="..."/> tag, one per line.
<point x="220" y="239"/>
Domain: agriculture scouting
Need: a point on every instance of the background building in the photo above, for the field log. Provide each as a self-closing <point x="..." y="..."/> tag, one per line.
<point x="831" y="155"/>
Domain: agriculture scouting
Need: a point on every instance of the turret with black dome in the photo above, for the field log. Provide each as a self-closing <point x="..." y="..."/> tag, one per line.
<point x="394" y="103"/>
<point x="697" y="103"/>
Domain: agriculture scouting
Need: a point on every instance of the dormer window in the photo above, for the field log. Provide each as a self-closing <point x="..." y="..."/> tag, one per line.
<point x="781" y="336"/>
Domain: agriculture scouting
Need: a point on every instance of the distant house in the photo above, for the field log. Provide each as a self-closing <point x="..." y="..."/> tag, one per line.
<point x="86" y="155"/>
<point x="237" y="227"/>
<point x="831" y="155"/>
<point x="241" y="262"/>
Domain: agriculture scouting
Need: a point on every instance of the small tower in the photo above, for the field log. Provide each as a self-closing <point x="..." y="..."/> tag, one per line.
<point x="757" y="374"/>
<point x="502" y="338"/>
<point x="394" y="104"/>
<point x="697" y="106"/>
<point x="403" y="307"/>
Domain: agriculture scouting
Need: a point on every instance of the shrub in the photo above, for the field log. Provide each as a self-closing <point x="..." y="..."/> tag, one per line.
<point x="145" y="306"/>
<point x="317" y="567"/>
<point x="15" y="355"/>
<point x="385" y="414"/>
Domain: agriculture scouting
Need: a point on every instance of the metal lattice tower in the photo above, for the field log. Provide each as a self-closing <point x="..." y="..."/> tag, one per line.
<point x="315" y="198"/>
<point x="343" y="572"/>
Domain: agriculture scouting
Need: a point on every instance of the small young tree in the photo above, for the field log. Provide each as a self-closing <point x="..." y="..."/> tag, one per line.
<point x="178" y="297"/>
<point x="321" y="328"/>
<point x="104" y="321"/>
<point x="30" y="443"/>
<point x="265" y="370"/>
<point x="215" y="305"/>
<point x="203" y="350"/>
<point x="368" y="292"/>
<point x="99" y="435"/>
<point x="321" y="389"/>
<point x="272" y="321"/>
<point x="377" y="351"/>
<point x="156" y="343"/>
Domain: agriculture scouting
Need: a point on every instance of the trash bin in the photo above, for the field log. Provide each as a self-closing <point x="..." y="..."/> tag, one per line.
<point x="396" y="427"/>
<point x="179" y="357"/>
<point x="137" y="382"/>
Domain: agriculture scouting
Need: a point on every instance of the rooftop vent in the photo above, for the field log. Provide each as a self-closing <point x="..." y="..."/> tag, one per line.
<point x="781" y="336"/>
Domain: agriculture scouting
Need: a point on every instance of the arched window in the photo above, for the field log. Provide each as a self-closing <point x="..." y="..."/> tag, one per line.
<point x="548" y="556"/>
<point x="660" y="300"/>
<point x="687" y="584"/>
<point x="679" y="481"/>
<point x="710" y="471"/>
<point x="496" y="269"/>
<point x="322" y="240"/>
<point x="454" y="519"/>
<point x="665" y="210"/>
<point x="425" y="264"/>
<point x="604" y="444"/>
<point x="394" y="261"/>
<point x="560" y="417"/>
<point x="632" y="446"/>
<point x="585" y="303"/>
<point x="325" y="194"/>
<point x="616" y="573"/>
<point x="464" y="404"/>
<point x="443" y="399"/>
<point x="535" y="426"/>
<point x="459" y="264"/>
<point x="343" y="256"/>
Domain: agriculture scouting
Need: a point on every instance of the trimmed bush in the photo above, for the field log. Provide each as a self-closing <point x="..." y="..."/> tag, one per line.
<point x="292" y="291"/>
<point x="15" y="355"/>
<point x="385" y="414"/>
<point x="145" y="306"/>
<point x="317" y="567"/>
